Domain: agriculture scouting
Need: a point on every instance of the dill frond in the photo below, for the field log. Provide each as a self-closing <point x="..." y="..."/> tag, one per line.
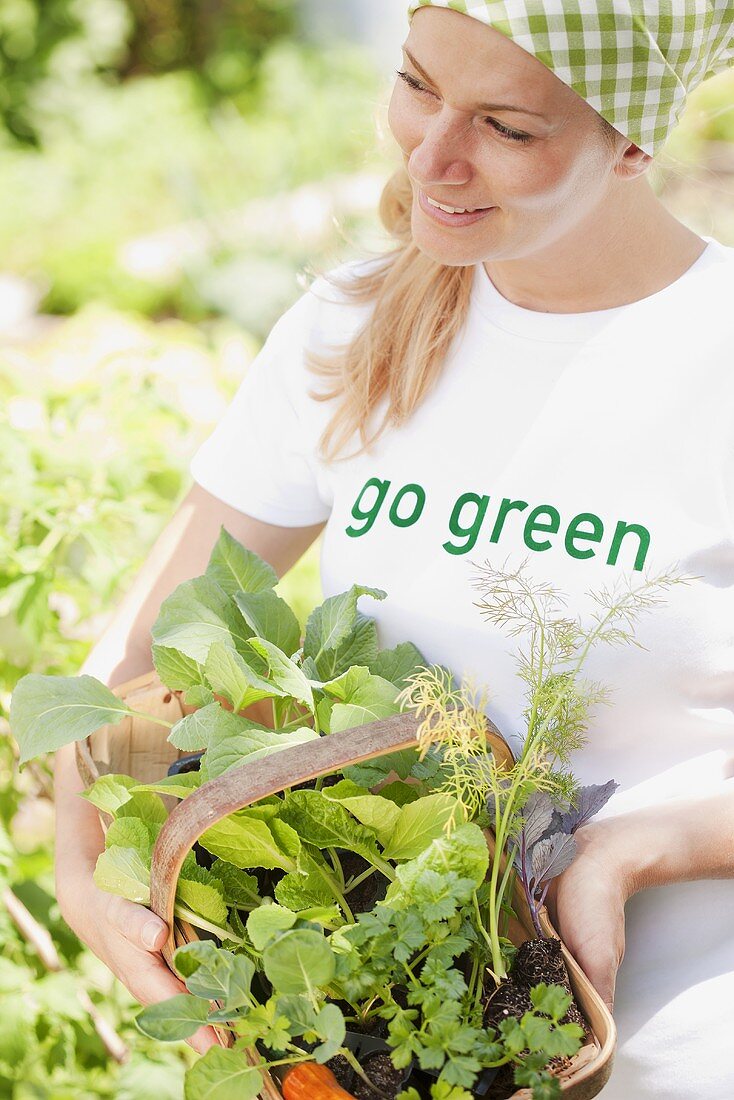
<point x="454" y="721"/>
<point x="558" y="702"/>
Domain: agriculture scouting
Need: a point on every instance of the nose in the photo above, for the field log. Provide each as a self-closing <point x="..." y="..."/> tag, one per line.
<point x="441" y="155"/>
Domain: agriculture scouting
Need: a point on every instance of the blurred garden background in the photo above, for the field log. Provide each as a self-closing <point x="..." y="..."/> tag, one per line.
<point x="172" y="175"/>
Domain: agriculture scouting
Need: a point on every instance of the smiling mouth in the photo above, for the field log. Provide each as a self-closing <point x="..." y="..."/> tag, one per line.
<point x="453" y="209"/>
<point x="451" y="217"/>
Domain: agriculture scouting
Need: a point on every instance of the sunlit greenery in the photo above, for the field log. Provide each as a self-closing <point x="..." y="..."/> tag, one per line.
<point x="98" y="422"/>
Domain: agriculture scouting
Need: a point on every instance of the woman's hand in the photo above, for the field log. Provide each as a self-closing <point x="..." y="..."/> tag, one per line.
<point x="126" y="937"/>
<point x="586" y="903"/>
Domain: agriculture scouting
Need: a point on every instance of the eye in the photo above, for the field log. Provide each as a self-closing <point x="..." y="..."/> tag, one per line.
<point x="510" y="135"/>
<point x="413" y="83"/>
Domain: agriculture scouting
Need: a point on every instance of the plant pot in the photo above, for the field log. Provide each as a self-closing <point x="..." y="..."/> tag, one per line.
<point x="137" y="747"/>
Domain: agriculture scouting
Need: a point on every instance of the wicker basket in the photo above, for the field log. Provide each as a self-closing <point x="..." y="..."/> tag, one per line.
<point x="137" y="747"/>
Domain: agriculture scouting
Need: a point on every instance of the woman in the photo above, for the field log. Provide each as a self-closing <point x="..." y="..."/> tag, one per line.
<point x="545" y="375"/>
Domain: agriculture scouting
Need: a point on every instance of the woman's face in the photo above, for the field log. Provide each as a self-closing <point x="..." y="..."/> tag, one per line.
<point x="532" y="177"/>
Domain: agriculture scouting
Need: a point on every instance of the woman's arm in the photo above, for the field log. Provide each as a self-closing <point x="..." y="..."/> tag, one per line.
<point x="679" y="841"/>
<point x="658" y="845"/>
<point x="125" y="936"/>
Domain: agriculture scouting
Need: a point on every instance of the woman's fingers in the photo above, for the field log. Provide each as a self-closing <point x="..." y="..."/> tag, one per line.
<point x="139" y="966"/>
<point x="142" y="928"/>
<point x="599" y="957"/>
<point x="586" y="906"/>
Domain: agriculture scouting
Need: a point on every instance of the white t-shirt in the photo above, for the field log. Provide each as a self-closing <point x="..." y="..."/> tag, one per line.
<point x="599" y="446"/>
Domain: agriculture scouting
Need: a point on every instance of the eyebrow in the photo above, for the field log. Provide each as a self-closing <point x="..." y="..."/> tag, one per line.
<point x="479" y="106"/>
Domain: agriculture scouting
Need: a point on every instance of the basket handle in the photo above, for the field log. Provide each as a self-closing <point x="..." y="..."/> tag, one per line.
<point x="239" y="788"/>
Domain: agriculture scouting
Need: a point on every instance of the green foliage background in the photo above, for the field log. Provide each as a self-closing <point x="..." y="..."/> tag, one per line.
<point x="148" y="152"/>
<point x="52" y="47"/>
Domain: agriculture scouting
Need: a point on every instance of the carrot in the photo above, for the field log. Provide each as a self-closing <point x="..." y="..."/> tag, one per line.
<point x="310" y="1081"/>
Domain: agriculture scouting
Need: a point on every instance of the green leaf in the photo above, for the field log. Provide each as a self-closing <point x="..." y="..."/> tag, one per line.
<point x="193" y="731"/>
<point x="203" y="898"/>
<point x="239" y="889"/>
<point x="178" y="786"/>
<point x="371" y="772"/>
<point x="537" y="1031"/>
<point x="464" y="853"/>
<point x="239" y="741"/>
<point x="327" y="824"/>
<point x="373" y="699"/>
<point x="323" y="713"/>
<point x="197" y="614"/>
<point x="345" y="788"/>
<point x="264" y="1024"/>
<point x="344" y="686"/>
<point x="396" y="665"/>
<point x="530" y="1074"/>
<point x="330" y="1027"/>
<point x="284" y="672"/>
<point x="113" y="794"/>
<point x="400" y="793"/>
<point x="110" y="792"/>
<point x="299" y="1012"/>
<point x="146" y="807"/>
<point x="175" y="669"/>
<point x="299" y="962"/>
<point x="331" y="624"/>
<point x="230" y="675"/>
<point x="554" y="1000"/>
<point x="177" y="1018"/>
<point x="188" y="958"/>
<point x="237" y="569"/>
<point x="199" y="695"/>
<point x="513" y="1035"/>
<point x="222" y="1075"/>
<point x="377" y="813"/>
<point x="419" y="823"/>
<point x="270" y="617"/>
<point x="131" y="832"/>
<point x="245" y="841"/>
<point x="141" y="1078"/>
<point x="47" y="712"/>
<point x="328" y="916"/>
<point x="360" y="647"/>
<point x="306" y="887"/>
<point x="122" y="871"/>
<point x="215" y="974"/>
<point x="266" y="923"/>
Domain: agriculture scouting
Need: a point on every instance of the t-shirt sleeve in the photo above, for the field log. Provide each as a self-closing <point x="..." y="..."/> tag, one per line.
<point x="260" y="458"/>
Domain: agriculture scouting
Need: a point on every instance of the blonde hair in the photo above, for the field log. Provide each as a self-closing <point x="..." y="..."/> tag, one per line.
<point x="420" y="305"/>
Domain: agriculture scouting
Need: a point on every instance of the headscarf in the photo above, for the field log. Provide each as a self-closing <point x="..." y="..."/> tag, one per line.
<point x="633" y="61"/>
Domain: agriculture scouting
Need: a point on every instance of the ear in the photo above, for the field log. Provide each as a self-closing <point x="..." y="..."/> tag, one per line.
<point x="632" y="161"/>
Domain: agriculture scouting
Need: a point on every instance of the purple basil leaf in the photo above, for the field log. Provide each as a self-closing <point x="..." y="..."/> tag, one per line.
<point x="590" y="800"/>
<point x="556" y="824"/>
<point x="538" y="813"/>
<point x="550" y="857"/>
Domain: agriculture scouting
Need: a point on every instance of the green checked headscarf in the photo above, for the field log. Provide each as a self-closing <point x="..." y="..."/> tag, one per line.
<point x="633" y="61"/>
